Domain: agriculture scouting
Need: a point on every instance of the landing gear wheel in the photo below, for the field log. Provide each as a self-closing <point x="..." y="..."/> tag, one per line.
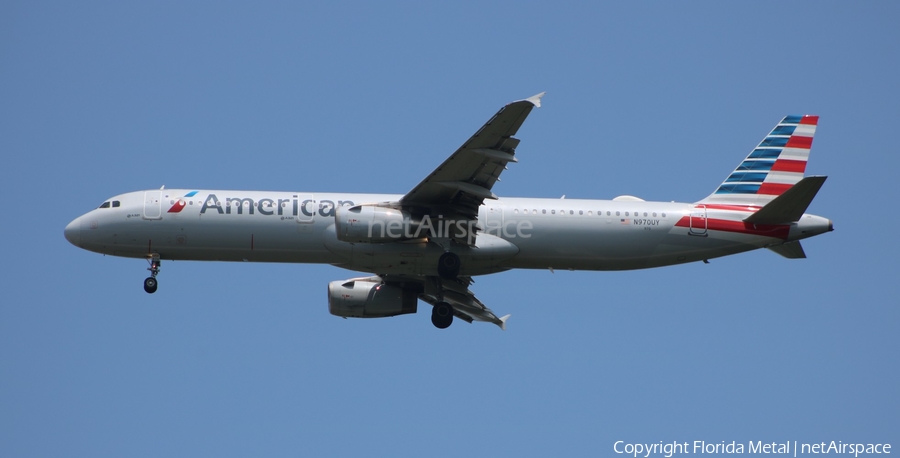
<point x="448" y="266"/>
<point x="150" y="285"/>
<point x="442" y="315"/>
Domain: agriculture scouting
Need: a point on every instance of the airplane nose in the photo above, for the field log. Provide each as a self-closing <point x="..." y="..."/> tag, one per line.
<point x="73" y="232"/>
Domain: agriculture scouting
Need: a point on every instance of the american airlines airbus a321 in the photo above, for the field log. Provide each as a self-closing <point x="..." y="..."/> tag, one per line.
<point x="428" y="243"/>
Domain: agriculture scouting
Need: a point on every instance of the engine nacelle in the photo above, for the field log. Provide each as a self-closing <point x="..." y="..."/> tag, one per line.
<point x="365" y="298"/>
<point x="370" y="224"/>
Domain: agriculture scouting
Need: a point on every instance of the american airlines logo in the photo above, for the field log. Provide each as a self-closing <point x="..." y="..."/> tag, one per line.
<point x="179" y="204"/>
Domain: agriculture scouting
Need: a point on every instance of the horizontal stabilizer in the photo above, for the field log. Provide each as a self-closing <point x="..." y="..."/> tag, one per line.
<point x="790" y="250"/>
<point x="789" y="206"/>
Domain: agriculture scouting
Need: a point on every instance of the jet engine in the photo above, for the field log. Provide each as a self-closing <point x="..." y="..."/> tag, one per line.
<point x="370" y="224"/>
<point x="369" y="298"/>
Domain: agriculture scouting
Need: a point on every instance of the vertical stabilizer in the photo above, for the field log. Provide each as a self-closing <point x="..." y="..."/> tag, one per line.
<point x="773" y="167"/>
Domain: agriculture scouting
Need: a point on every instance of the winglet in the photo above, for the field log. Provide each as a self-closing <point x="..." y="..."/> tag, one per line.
<point x="536" y="99"/>
<point x="503" y="321"/>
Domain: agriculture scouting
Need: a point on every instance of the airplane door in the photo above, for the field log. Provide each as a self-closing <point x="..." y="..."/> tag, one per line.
<point x="307" y="208"/>
<point x="152" y="205"/>
<point x="698" y="221"/>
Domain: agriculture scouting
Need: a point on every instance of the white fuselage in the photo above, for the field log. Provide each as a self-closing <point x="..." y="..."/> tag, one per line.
<point x="527" y="233"/>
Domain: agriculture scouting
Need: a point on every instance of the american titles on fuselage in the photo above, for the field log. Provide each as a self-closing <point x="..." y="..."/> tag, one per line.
<point x="271" y="207"/>
<point x="386" y="229"/>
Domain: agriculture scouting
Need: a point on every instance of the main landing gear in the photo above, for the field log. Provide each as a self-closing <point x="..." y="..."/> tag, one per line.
<point x="150" y="283"/>
<point x="448" y="269"/>
<point x="442" y="315"/>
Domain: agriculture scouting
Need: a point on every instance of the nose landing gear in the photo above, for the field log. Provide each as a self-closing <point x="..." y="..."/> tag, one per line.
<point x="150" y="283"/>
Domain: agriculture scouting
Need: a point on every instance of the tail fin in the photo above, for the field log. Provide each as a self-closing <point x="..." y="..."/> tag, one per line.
<point x="773" y="167"/>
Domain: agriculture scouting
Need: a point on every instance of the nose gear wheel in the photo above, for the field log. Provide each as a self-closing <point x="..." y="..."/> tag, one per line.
<point x="150" y="283"/>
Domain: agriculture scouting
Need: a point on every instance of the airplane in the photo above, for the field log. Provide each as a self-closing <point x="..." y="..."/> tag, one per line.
<point x="429" y="243"/>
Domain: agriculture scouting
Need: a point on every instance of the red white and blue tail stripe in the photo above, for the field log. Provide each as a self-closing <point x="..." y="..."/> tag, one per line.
<point x="772" y="167"/>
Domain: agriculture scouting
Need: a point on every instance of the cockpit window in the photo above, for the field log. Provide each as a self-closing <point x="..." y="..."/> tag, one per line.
<point x="104" y="205"/>
<point x="115" y="203"/>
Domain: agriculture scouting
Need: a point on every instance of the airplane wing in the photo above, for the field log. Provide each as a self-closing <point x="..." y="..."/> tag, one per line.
<point x="466" y="306"/>
<point x="465" y="179"/>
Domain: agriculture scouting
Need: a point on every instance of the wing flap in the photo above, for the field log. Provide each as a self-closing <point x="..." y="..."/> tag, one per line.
<point x="473" y="189"/>
<point x="465" y="305"/>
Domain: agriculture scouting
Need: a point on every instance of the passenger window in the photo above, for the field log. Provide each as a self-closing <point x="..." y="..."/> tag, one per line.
<point x="645" y="213"/>
<point x="581" y="212"/>
<point x="608" y="214"/>
<point x="626" y="213"/>
<point x="544" y="211"/>
<point x="104" y="205"/>
<point x="116" y="203"/>
<point x="552" y="212"/>
<point x="571" y="212"/>
<point x="663" y="215"/>
<point x="654" y="214"/>
<point x="617" y="213"/>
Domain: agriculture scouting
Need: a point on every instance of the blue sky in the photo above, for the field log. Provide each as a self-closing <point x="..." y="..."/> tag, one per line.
<point x="658" y="100"/>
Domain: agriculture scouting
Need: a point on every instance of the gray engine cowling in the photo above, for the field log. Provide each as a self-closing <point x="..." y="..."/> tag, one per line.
<point x="365" y="298"/>
<point x="371" y="224"/>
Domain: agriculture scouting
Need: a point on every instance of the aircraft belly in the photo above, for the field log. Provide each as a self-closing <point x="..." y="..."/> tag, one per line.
<point x="587" y="246"/>
<point x="418" y="257"/>
<point x="212" y="239"/>
<point x="615" y="245"/>
<point x="680" y="249"/>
